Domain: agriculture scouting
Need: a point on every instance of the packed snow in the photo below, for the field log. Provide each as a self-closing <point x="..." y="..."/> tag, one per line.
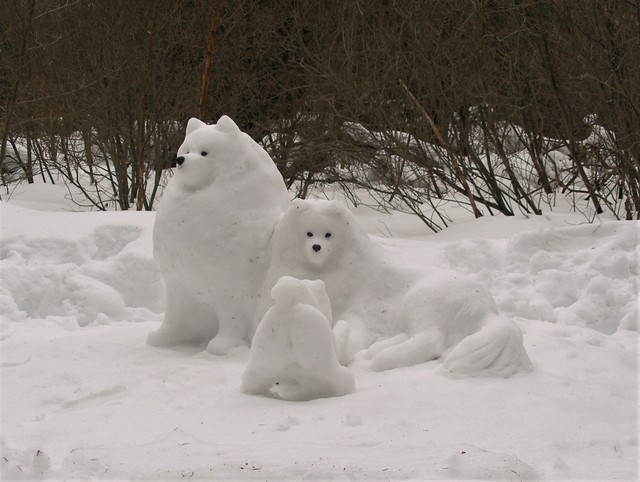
<point x="84" y="396"/>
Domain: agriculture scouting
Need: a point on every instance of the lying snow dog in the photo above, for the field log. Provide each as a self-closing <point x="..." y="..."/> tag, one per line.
<point x="212" y="233"/>
<point x="402" y="315"/>
<point x="293" y="351"/>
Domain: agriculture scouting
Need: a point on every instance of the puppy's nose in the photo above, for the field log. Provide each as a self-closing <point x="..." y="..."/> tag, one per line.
<point x="316" y="247"/>
<point x="180" y="160"/>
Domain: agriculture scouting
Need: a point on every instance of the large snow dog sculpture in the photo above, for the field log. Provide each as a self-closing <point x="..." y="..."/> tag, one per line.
<point x="212" y="233"/>
<point x="293" y="353"/>
<point x="403" y="315"/>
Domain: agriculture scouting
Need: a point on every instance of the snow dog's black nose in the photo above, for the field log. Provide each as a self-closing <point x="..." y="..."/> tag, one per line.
<point x="316" y="247"/>
<point x="179" y="160"/>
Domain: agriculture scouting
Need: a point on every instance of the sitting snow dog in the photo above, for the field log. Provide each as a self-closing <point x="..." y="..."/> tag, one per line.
<point x="293" y="352"/>
<point x="211" y="236"/>
<point x="402" y="316"/>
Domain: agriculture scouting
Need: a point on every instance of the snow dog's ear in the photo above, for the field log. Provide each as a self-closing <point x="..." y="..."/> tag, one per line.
<point x="336" y="207"/>
<point x="300" y="205"/>
<point x="194" y="124"/>
<point x="225" y="124"/>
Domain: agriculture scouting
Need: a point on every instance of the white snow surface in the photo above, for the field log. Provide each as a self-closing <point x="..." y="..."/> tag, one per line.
<point x="84" y="396"/>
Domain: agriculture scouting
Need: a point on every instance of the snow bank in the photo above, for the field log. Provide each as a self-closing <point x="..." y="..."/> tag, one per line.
<point x="96" y="268"/>
<point x="583" y="275"/>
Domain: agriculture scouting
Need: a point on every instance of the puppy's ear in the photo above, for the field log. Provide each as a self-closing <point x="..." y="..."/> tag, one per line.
<point x="194" y="124"/>
<point x="285" y="288"/>
<point x="315" y="285"/>
<point x="321" y="299"/>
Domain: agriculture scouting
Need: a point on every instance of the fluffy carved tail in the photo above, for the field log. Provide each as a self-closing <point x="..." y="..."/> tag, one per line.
<point x="495" y="350"/>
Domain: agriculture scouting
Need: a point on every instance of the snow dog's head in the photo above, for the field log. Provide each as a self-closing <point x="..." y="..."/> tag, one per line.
<point x="318" y="235"/>
<point x="213" y="152"/>
<point x="289" y="291"/>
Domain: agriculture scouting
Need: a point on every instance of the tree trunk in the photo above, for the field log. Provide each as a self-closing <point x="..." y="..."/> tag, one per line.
<point x="142" y="139"/>
<point x="211" y="42"/>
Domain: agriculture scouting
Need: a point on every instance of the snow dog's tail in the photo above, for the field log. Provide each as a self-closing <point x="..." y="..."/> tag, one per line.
<point x="494" y="350"/>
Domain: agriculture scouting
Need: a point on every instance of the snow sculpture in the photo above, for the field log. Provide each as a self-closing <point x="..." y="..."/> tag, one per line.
<point x="293" y="351"/>
<point x="404" y="316"/>
<point x="211" y="236"/>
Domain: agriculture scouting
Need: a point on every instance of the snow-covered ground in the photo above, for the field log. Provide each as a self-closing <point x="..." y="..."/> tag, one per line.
<point x="83" y="396"/>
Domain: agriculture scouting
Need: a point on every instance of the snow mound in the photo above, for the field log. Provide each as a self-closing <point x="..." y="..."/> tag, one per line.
<point x="90" y="274"/>
<point x="581" y="275"/>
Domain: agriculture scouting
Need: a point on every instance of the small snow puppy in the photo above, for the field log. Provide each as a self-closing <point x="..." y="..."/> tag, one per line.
<point x="402" y="315"/>
<point x="293" y="351"/>
<point x="211" y="236"/>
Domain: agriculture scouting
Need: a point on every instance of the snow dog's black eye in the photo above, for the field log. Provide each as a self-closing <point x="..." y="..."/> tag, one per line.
<point x="204" y="153"/>
<point x="328" y="235"/>
<point x="309" y="234"/>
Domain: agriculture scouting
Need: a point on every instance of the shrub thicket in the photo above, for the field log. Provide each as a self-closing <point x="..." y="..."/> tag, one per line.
<point x="500" y="103"/>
